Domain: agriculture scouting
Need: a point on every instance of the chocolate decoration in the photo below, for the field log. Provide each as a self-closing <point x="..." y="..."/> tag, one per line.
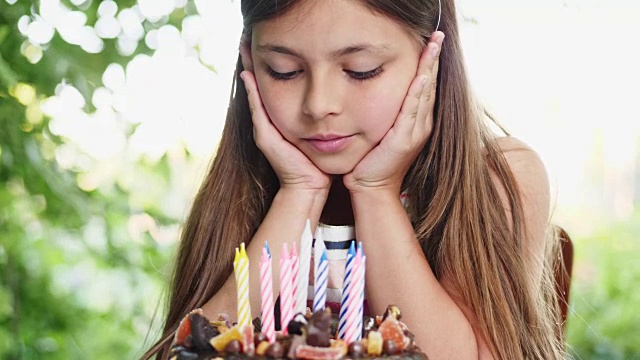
<point x="275" y="351"/>
<point x="389" y="348"/>
<point x="175" y="350"/>
<point x="356" y="349"/>
<point x="258" y="338"/>
<point x="201" y="332"/>
<point x="296" y="341"/>
<point x="296" y="325"/>
<point x="188" y="341"/>
<point x="257" y="324"/>
<point x="233" y="347"/>
<point x="318" y="329"/>
<point x="187" y="355"/>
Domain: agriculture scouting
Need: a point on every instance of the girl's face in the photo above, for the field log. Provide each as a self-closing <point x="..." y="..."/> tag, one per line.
<point x="332" y="75"/>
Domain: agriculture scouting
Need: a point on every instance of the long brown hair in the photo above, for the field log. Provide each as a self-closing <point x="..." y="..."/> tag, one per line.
<point x="452" y="203"/>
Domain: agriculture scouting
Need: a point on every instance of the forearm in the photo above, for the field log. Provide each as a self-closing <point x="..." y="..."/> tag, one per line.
<point x="398" y="273"/>
<point x="284" y="223"/>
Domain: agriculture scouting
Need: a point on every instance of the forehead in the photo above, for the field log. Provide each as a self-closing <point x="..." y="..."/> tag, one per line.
<point x="319" y="27"/>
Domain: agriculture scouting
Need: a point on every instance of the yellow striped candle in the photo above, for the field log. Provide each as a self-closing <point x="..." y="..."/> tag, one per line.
<point x="241" y="269"/>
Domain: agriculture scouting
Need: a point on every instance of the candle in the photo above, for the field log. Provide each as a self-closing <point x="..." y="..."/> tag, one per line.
<point x="305" y="263"/>
<point x="295" y="268"/>
<point x="320" y="272"/>
<point x="266" y="293"/>
<point x="346" y="287"/>
<point x="353" y="332"/>
<point x="362" y="287"/>
<point x="320" y="284"/>
<point x="286" y="313"/>
<point x="241" y="269"/>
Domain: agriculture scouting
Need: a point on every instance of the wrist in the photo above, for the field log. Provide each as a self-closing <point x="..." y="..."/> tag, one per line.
<point x="362" y="189"/>
<point x="314" y="187"/>
<point x="303" y="200"/>
<point x="310" y="194"/>
<point x="375" y="195"/>
<point x="384" y="186"/>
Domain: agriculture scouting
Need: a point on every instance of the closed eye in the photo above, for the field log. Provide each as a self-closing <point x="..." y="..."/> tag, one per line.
<point x="282" y="76"/>
<point x="364" y="75"/>
<point x="356" y="75"/>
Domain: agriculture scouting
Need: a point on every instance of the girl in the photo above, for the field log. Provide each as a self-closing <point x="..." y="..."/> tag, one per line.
<point x="358" y="113"/>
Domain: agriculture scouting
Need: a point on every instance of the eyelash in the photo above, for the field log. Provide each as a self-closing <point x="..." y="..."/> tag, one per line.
<point x="355" y="75"/>
<point x="365" y="75"/>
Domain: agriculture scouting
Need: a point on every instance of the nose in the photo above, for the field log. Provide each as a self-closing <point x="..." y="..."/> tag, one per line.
<point x="323" y="98"/>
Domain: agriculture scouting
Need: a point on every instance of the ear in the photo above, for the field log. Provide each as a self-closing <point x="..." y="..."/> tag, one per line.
<point x="245" y="53"/>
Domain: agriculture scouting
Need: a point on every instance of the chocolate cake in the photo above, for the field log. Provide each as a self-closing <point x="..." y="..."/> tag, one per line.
<point x="310" y="336"/>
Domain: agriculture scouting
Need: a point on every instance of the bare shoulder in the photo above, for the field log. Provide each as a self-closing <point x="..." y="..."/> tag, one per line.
<point x="527" y="167"/>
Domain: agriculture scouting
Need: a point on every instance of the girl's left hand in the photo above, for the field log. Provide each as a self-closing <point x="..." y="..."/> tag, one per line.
<point x="385" y="166"/>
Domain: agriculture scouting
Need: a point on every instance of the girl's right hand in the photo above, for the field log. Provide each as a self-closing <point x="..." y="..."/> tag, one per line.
<point x="293" y="168"/>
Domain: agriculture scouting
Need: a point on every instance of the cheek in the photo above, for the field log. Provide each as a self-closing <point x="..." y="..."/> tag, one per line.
<point x="381" y="106"/>
<point x="279" y="105"/>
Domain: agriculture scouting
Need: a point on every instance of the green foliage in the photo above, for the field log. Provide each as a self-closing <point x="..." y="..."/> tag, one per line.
<point x="64" y="251"/>
<point x="604" y="323"/>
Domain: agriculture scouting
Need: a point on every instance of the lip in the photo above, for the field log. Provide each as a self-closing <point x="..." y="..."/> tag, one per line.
<point x="329" y="143"/>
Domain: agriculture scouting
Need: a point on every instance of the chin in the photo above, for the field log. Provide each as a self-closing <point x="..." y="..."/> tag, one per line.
<point x="335" y="169"/>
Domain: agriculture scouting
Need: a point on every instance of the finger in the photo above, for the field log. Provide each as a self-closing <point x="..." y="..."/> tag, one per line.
<point x="438" y="38"/>
<point x="406" y="120"/>
<point x="425" y="64"/>
<point x="262" y="127"/>
<point x="431" y="64"/>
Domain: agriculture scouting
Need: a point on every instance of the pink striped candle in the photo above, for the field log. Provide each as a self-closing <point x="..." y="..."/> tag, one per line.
<point x="295" y="269"/>
<point x="353" y="331"/>
<point x="266" y="294"/>
<point x="286" y="298"/>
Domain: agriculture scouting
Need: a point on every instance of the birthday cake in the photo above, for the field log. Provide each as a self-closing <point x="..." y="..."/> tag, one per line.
<point x="291" y="330"/>
<point x="310" y="336"/>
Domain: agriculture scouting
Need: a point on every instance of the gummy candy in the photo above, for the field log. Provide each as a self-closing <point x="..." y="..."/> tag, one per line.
<point x="374" y="343"/>
<point x="220" y="342"/>
<point x="390" y="329"/>
<point x="320" y="353"/>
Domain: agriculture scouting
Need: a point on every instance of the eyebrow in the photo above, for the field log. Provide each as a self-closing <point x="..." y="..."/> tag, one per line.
<point x="356" y="48"/>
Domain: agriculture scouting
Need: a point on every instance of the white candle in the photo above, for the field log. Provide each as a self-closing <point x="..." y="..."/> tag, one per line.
<point x="305" y="264"/>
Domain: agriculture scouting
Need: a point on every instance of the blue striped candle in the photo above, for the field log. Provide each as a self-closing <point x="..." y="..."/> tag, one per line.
<point x="320" y="283"/>
<point x="346" y="286"/>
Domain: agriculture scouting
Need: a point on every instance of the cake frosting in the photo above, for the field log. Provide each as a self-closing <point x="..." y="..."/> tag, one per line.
<point x="309" y="336"/>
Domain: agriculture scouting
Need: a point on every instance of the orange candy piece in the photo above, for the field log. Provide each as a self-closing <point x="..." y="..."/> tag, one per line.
<point x="390" y="329"/>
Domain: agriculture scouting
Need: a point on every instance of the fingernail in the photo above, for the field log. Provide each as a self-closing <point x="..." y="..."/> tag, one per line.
<point x="435" y="51"/>
<point x="242" y="76"/>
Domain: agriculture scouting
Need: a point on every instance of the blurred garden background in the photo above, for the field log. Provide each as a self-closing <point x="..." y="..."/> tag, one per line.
<point x="111" y="110"/>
